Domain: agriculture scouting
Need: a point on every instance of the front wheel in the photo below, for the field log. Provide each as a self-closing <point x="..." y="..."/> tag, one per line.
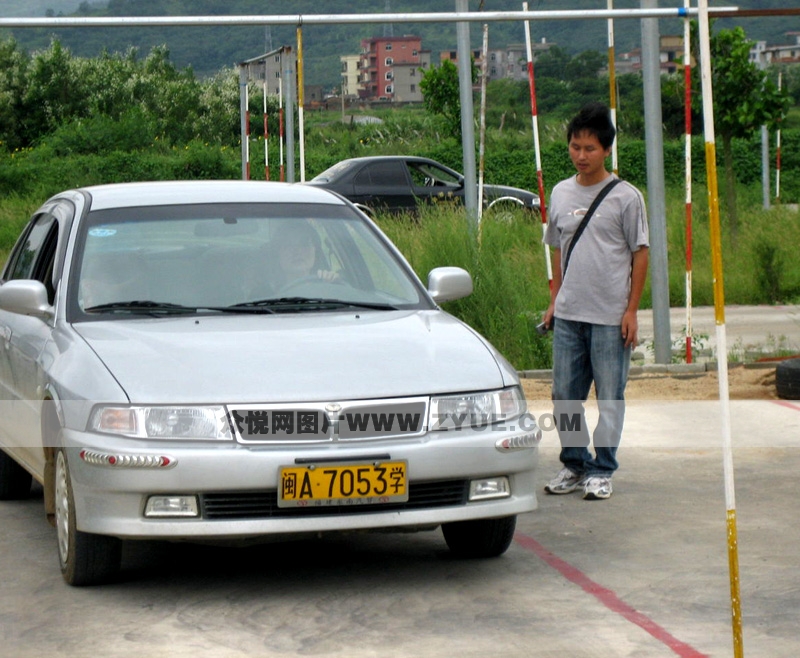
<point x="480" y="538"/>
<point x="85" y="559"/>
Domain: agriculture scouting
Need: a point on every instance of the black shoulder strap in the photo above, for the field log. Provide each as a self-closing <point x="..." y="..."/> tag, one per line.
<point x="597" y="201"/>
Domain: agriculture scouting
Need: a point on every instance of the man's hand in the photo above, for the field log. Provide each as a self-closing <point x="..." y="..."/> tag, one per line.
<point x="630" y="329"/>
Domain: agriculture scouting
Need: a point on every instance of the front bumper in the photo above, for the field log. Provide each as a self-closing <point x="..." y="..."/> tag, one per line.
<point x="111" y="499"/>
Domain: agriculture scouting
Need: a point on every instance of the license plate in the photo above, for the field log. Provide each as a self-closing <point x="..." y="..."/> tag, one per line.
<point x="319" y="485"/>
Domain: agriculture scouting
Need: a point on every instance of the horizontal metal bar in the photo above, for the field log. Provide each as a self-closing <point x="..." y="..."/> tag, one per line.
<point x="331" y="19"/>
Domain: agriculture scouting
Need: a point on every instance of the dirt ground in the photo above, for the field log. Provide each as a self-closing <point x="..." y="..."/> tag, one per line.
<point x="743" y="384"/>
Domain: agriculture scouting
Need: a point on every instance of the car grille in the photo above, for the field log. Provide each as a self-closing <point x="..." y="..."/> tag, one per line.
<point x="264" y="504"/>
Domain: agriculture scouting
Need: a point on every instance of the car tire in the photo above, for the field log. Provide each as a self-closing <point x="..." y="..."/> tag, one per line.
<point x="15" y="481"/>
<point x="787" y="379"/>
<point x="85" y="558"/>
<point x="480" y="538"/>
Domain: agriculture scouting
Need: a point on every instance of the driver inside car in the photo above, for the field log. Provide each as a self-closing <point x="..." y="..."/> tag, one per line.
<point x="295" y="255"/>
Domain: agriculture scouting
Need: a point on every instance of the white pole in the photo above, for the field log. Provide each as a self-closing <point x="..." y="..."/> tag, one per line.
<point x="482" y="136"/>
<point x="536" y="146"/>
<point x="719" y="308"/>
<point x="612" y="83"/>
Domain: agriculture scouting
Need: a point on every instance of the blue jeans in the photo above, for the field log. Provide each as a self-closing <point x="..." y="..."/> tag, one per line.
<point x="584" y="353"/>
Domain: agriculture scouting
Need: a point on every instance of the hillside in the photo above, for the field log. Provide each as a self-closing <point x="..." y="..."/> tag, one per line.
<point x="207" y="50"/>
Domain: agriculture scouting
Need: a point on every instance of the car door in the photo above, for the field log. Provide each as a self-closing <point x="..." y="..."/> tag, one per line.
<point x="25" y="337"/>
<point x="384" y="184"/>
<point x="435" y="184"/>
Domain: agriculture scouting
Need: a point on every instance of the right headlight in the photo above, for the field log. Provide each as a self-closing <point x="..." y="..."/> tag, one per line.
<point x="182" y="422"/>
<point x="480" y="409"/>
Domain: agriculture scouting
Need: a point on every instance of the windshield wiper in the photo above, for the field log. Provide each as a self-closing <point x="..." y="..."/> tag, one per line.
<point x="306" y="302"/>
<point x="141" y="306"/>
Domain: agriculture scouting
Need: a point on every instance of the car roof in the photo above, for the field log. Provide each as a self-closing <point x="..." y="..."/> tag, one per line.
<point x="157" y="193"/>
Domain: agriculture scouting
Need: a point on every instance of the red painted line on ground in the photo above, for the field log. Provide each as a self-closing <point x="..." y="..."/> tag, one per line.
<point x="789" y="405"/>
<point x="607" y="597"/>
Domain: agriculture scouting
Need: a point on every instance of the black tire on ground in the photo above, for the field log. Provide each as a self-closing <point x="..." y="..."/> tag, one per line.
<point x="85" y="559"/>
<point x="787" y="379"/>
<point x="480" y="538"/>
<point x="15" y="481"/>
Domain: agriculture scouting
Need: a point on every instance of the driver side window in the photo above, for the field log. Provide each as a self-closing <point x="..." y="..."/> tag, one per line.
<point x="34" y="255"/>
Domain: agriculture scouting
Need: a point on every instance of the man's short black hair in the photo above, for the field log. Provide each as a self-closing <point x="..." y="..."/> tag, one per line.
<point x="595" y="119"/>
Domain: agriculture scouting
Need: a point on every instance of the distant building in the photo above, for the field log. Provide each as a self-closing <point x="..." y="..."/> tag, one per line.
<point x="510" y="62"/>
<point x="786" y="54"/>
<point x="670" y="57"/>
<point x="386" y="62"/>
<point x="350" y="75"/>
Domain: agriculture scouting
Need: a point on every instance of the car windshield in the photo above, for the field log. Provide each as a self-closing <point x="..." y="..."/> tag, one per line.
<point x="331" y="173"/>
<point x="243" y="258"/>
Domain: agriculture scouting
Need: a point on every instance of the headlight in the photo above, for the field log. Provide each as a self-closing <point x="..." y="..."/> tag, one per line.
<point x="449" y="412"/>
<point x="163" y="422"/>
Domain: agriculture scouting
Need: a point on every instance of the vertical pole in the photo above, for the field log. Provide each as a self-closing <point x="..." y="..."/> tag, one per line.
<point x="536" y="145"/>
<point x="301" y="103"/>
<point x="266" y="127"/>
<point x="612" y="84"/>
<point x="482" y="138"/>
<point x="289" y="86"/>
<point x="687" y="107"/>
<point x="467" y="112"/>
<point x="656" y="201"/>
<point x="778" y="152"/>
<point x="243" y="123"/>
<point x="281" y="129"/>
<point x="719" y="313"/>
<point x="762" y="64"/>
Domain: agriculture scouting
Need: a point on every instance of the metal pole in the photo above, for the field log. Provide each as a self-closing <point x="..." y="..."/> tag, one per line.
<point x="289" y="83"/>
<point x="657" y="212"/>
<point x="243" y="121"/>
<point x="719" y="313"/>
<point x="537" y="148"/>
<point x="467" y="112"/>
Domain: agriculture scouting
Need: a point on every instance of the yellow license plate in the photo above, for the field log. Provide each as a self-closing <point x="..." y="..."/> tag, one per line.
<point x="320" y="485"/>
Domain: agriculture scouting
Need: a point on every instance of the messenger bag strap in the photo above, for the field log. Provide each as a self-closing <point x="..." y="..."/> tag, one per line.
<point x="597" y="201"/>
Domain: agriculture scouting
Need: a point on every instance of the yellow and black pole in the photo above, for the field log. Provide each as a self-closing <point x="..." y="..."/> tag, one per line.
<point x="719" y="315"/>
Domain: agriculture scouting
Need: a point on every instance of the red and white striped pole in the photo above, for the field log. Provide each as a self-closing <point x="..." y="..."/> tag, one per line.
<point x="612" y="83"/>
<point x="536" y="146"/>
<point x="687" y="83"/>
<point x="778" y="152"/>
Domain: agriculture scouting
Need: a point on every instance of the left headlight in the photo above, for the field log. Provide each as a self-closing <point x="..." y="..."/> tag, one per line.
<point x="451" y="412"/>
<point x="163" y="422"/>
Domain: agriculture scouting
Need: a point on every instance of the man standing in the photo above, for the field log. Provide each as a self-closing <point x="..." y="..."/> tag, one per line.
<point x="598" y="276"/>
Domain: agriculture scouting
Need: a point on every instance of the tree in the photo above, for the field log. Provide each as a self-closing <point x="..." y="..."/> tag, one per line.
<point x="744" y="100"/>
<point x="440" y="93"/>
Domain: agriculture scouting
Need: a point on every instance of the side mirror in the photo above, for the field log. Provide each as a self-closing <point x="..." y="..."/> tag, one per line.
<point x="26" y="297"/>
<point x="448" y="283"/>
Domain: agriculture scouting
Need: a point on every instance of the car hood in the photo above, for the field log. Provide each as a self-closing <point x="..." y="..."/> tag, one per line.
<point x="318" y="356"/>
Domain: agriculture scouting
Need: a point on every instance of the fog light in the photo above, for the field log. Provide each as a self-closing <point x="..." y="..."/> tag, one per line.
<point x="163" y="506"/>
<point x="487" y="488"/>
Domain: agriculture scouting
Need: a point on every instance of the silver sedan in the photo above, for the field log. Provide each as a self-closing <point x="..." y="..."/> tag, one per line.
<point x="228" y="360"/>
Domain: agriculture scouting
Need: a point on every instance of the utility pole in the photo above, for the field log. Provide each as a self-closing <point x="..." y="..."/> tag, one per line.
<point x="467" y="113"/>
<point x="657" y="211"/>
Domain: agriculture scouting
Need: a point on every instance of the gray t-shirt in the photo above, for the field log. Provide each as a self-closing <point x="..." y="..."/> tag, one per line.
<point x="598" y="281"/>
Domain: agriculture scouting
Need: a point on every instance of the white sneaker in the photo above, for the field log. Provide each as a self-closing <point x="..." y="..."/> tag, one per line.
<point x="565" y="482"/>
<point x="596" y="488"/>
